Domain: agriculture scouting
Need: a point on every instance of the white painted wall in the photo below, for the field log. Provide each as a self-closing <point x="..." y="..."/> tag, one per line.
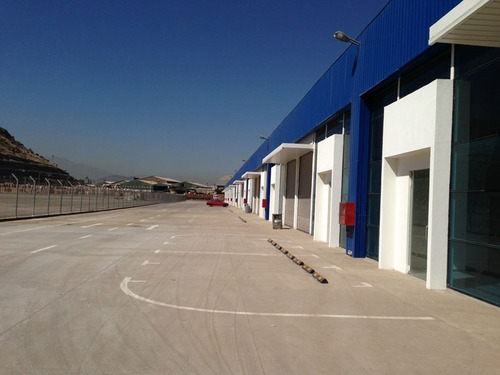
<point x="417" y="135"/>
<point x="273" y="204"/>
<point x="328" y="190"/>
<point x="263" y="180"/>
<point x="250" y="198"/>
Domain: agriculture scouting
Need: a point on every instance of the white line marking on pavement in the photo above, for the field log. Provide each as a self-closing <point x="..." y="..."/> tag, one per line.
<point x="45" y="248"/>
<point x="314" y="255"/>
<point x="129" y="224"/>
<point x="87" y="236"/>
<point x="152" y="227"/>
<point x="152" y="217"/>
<point x="363" y="285"/>
<point x="92" y="225"/>
<point x="125" y="289"/>
<point x="298" y="247"/>
<point x="142" y="221"/>
<point x="112" y="229"/>
<point x="146" y="262"/>
<point x="214" y="253"/>
<point x="165" y="243"/>
<point x="28" y="230"/>
<point x="334" y="267"/>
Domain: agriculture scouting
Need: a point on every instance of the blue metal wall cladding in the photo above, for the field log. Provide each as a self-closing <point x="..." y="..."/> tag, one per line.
<point x="396" y="36"/>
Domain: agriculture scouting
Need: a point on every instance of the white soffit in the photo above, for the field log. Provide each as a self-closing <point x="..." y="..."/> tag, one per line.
<point x="472" y="22"/>
<point x="286" y="152"/>
<point x="250" y="175"/>
<point x="238" y="182"/>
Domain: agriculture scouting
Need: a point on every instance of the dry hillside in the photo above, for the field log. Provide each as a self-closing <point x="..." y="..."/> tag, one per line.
<point x="16" y="159"/>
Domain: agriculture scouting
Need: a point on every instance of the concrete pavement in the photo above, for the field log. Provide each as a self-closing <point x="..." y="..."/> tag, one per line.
<point x="189" y="289"/>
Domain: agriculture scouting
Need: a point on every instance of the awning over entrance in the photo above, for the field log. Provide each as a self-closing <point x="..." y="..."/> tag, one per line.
<point x="472" y="22"/>
<point x="286" y="152"/>
<point x="250" y="175"/>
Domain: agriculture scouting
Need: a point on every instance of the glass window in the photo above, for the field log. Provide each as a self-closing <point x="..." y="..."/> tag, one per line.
<point x="375" y="177"/>
<point x="474" y="246"/>
<point x="320" y="134"/>
<point x="376" y="137"/>
<point x="475" y="217"/>
<point x="373" y="217"/>
<point x="372" y="236"/>
<point x="468" y="58"/>
<point x="334" y="127"/>
<point x="477" y="111"/>
<point x="438" y="67"/>
<point x="476" y="165"/>
<point x="378" y="102"/>
<point x="475" y="270"/>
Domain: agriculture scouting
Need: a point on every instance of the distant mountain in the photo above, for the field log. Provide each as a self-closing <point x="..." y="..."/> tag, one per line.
<point x="16" y="159"/>
<point x="80" y="170"/>
<point x="95" y="174"/>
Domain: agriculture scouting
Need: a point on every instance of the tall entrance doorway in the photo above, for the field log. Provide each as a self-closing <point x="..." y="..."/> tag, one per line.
<point x="419" y="222"/>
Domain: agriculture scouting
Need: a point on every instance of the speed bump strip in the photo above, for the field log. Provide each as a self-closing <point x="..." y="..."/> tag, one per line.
<point x="307" y="268"/>
<point x="320" y="278"/>
<point x="297" y="261"/>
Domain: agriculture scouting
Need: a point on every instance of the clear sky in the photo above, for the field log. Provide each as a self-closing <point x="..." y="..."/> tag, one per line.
<point x="175" y="88"/>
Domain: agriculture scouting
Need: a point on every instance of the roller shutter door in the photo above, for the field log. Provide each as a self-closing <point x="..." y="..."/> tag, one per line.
<point x="290" y="193"/>
<point x="305" y="188"/>
<point x="256" y="194"/>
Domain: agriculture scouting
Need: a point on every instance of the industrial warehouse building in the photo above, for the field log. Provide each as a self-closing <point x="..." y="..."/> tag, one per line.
<point x="394" y="153"/>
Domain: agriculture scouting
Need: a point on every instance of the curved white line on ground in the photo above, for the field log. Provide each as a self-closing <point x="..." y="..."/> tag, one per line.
<point x="124" y="287"/>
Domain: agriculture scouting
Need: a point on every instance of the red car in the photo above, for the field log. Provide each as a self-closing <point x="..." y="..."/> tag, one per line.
<point x="216" y="202"/>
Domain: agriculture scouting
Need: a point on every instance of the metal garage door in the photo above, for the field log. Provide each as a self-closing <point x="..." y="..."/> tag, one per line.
<point x="256" y="194"/>
<point x="305" y="188"/>
<point x="290" y="193"/>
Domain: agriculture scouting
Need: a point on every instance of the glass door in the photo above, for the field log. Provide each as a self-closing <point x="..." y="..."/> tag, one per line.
<point x="419" y="223"/>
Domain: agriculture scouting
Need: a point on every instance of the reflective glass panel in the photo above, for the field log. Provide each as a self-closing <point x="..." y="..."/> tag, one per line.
<point x="475" y="270"/>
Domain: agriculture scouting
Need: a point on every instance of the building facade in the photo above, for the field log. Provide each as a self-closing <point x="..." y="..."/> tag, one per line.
<point x="394" y="153"/>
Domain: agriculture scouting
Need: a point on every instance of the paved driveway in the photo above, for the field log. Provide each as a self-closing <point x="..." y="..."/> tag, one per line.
<point x="188" y="289"/>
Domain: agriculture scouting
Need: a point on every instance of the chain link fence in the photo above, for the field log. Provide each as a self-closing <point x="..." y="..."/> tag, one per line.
<point x="29" y="197"/>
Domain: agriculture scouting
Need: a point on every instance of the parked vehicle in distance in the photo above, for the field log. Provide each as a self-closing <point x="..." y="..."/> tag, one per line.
<point x="216" y="201"/>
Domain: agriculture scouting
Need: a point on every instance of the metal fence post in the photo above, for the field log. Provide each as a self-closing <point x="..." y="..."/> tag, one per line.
<point x="60" y="201"/>
<point x="34" y="196"/>
<point x="96" y="195"/>
<point x="81" y="197"/>
<point x="48" y="202"/>
<point x="71" y="200"/>
<point x="17" y="194"/>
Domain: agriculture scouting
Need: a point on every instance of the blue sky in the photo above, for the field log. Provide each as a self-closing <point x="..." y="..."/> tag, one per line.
<point x="172" y="88"/>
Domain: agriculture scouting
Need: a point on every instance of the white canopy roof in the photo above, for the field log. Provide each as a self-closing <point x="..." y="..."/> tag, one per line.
<point x="286" y="152"/>
<point x="472" y="22"/>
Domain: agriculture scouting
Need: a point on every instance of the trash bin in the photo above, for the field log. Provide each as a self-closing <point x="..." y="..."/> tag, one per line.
<point x="277" y="221"/>
<point x="248" y="209"/>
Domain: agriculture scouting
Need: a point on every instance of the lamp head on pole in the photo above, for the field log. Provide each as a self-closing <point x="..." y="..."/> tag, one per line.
<point x="345" y="38"/>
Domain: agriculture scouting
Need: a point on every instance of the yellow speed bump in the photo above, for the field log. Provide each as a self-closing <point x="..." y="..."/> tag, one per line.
<point x="307" y="268"/>
<point x="320" y="278"/>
